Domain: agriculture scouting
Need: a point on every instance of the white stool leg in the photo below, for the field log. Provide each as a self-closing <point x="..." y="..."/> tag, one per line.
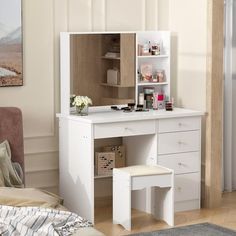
<point x="165" y="205"/>
<point x="122" y="200"/>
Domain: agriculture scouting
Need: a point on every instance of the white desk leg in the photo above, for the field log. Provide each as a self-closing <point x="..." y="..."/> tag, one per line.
<point x="164" y="205"/>
<point x="122" y="200"/>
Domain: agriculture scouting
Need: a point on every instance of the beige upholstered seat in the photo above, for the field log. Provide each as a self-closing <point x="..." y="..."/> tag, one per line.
<point x="141" y="170"/>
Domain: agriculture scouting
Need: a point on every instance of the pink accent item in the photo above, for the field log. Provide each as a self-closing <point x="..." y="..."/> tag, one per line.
<point x="160" y="97"/>
<point x="11" y="129"/>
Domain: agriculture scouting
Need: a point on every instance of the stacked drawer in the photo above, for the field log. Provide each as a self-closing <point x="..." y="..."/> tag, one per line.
<point x="179" y="148"/>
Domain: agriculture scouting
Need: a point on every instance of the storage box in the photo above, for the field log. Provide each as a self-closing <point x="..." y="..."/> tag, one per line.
<point x="120" y="157"/>
<point x="104" y="163"/>
<point x="113" y="76"/>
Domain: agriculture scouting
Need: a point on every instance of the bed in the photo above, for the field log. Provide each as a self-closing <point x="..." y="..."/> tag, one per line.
<point x="21" y="205"/>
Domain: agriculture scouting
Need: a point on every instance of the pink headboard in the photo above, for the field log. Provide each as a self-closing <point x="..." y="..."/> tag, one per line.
<point x="11" y="129"/>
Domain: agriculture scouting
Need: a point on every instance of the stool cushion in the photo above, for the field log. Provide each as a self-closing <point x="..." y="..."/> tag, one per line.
<point x="141" y="170"/>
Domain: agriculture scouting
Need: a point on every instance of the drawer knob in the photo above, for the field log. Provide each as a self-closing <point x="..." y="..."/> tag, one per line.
<point x="182" y="143"/>
<point x="180" y="124"/>
<point x="179" y="189"/>
<point x="180" y="164"/>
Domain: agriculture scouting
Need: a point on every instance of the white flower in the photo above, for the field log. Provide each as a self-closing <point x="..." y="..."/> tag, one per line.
<point x="82" y="101"/>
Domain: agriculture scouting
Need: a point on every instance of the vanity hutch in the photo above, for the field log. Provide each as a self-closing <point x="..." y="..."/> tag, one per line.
<point x="169" y="138"/>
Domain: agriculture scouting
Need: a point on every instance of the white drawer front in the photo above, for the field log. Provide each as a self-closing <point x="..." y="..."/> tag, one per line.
<point x="178" y="142"/>
<point x="179" y="124"/>
<point x="121" y="129"/>
<point x="187" y="187"/>
<point x="181" y="163"/>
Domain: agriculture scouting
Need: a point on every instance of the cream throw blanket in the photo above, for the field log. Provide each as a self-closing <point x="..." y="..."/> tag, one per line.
<point x="9" y="176"/>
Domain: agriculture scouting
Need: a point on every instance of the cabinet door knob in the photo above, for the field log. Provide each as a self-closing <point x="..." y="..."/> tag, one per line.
<point x="180" y="164"/>
<point x="180" y="124"/>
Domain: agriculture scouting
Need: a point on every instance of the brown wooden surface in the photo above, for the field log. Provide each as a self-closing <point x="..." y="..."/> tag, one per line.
<point x="127" y="61"/>
<point x="142" y="222"/>
<point x="86" y="66"/>
<point x="214" y="118"/>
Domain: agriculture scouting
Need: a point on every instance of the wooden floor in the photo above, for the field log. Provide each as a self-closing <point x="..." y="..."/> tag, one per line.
<point x="141" y="222"/>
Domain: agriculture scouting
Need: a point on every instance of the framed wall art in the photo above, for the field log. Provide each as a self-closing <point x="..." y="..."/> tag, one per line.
<point x="11" y="53"/>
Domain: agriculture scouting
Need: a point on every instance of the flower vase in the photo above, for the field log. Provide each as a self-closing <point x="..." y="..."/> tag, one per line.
<point x="82" y="110"/>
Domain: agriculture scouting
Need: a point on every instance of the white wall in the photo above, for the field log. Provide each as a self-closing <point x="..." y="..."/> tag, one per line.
<point x="39" y="97"/>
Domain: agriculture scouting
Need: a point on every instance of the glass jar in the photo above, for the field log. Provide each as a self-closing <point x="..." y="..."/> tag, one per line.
<point x="160" y="76"/>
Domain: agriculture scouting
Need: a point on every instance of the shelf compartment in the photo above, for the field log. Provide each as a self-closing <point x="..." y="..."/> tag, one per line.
<point x="116" y="85"/>
<point x="152" y="83"/>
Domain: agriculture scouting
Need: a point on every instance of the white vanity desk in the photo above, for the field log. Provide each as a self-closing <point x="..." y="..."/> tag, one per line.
<point x="168" y="138"/>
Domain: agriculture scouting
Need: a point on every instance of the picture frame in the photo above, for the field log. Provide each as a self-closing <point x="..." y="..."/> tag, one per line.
<point x="11" y="47"/>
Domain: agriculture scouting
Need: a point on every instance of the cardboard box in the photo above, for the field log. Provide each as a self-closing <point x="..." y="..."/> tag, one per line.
<point x="104" y="163"/>
<point x="120" y="157"/>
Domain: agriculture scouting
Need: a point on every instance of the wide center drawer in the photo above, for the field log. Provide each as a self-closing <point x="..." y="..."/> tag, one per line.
<point x="122" y="129"/>
<point x="181" y="163"/>
<point x="187" y="187"/>
<point x="179" y="124"/>
<point x="178" y="142"/>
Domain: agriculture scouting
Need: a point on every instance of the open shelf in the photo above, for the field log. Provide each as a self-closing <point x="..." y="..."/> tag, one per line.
<point x="153" y="56"/>
<point x="102" y="176"/>
<point x="110" y="58"/>
<point x="115" y="85"/>
<point x="152" y="83"/>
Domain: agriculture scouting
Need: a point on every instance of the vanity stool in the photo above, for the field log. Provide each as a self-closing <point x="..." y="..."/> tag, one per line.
<point x="139" y="177"/>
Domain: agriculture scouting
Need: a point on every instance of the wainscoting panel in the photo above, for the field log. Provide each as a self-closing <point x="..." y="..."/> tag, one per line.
<point x="80" y="15"/>
<point x="125" y="15"/>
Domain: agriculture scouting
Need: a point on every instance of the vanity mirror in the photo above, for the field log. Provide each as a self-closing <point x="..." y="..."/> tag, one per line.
<point x="115" y="68"/>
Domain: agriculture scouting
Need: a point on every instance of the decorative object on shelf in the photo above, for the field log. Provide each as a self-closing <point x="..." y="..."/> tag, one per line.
<point x="160" y="101"/>
<point x="112" y="55"/>
<point x="120" y="158"/>
<point x="81" y="103"/>
<point x="156" y="49"/>
<point x="141" y="99"/>
<point x="113" y="76"/>
<point x="11" y="59"/>
<point x="169" y="105"/>
<point x="155" y="101"/>
<point x="104" y="163"/>
<point x="146" y="72"/>
<point x="160" y="76"/>
<point x="148" y="96"/>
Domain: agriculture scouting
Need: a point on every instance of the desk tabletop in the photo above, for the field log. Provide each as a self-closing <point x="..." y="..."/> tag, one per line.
<point x="111" y="116"/>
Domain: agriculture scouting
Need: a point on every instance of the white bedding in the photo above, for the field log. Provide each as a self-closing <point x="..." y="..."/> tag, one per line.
<point x="22" y="199"/>
<point x="35" y="221"/>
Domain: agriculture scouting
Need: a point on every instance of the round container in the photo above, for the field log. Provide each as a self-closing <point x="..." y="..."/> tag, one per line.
<point x="148" y="90"/>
